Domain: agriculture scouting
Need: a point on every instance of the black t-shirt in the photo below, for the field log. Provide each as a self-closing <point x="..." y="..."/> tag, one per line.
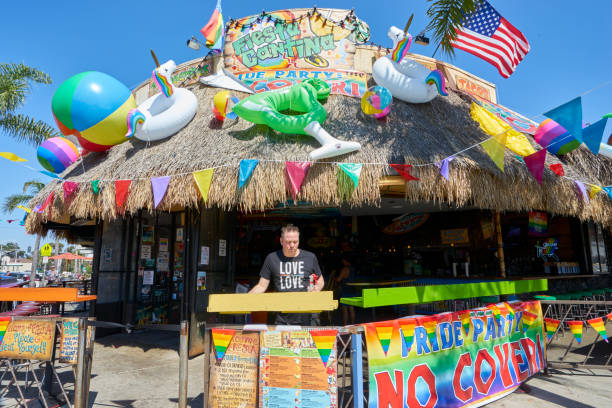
<point x="290" y="274"/>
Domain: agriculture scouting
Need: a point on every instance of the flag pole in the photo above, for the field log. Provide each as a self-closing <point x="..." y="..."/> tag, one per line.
<point x="154" y="58"/>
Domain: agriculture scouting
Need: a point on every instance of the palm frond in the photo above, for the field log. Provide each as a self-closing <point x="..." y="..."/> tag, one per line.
<point x="12" y="94"/>
<point x="445" y="17"/>
<point x="34" y="187"/>
<point x="11" y="202"/>
<point x="22" y="72"/>
<point x="26" y="129"/>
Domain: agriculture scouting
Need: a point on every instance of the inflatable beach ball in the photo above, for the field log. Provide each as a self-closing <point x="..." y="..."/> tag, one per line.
<point x="56" y="154"/>
<point x="222" y="105"/>
<point x="376" y="102"/>
<point x="93" y="106"/>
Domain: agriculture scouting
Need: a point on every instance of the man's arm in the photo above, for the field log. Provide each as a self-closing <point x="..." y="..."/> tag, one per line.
<point x="261" y="286"/>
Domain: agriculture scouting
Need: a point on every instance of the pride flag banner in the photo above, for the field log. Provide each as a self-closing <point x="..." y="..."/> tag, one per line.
<point x="221" y="339"/>
<point x="576" y="328"/>
<point x="599" y="326"/>
<point x="551" y="326"/>
<point x="384" y="333"/>
<point x="324" y="340"/>
<point x="454" y="369"/>
<point x="407" y="326"/>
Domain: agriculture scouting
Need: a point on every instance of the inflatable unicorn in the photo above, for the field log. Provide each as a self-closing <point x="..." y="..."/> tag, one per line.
<point x="405" y="78"/>
<point x="166" y="112"/>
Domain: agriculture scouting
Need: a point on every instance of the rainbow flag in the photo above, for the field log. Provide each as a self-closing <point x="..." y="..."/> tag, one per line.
<point x="466" y="318"/>
<point x="221" y="340"/>
<point x="214" y="30"/>
<point x="4" y="322"/>
<point x="551" y="326"/>
<point x="407" y="327"/>
<point x="576" y="328"/>
<point x="528" y="319"/>
<point x="609" y="316"/>
<point x="599" y="326"/>
<point x="324" y="340"/>
<point x="538" y="223"/>
<point x="384" y="331"/>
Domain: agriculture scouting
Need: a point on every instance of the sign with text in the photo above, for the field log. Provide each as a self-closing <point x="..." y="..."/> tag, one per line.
<point x="69" y="343"/>
<point x="518" y="122"/>
<point x="458" y="359"/>
<point x="28" y="339"/>
<point x="455" y="236"/>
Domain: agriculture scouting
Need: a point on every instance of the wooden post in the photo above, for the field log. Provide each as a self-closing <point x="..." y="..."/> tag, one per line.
<point x="500" y="245"/>
<point x="183" y="361"/>
<point x="79" y="382"/>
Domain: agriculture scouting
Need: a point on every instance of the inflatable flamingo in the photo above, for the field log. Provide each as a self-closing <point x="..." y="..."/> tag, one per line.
<point x="405" y="78"/>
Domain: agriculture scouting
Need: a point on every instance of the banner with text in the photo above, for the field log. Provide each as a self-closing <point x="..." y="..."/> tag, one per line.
<point x="458" y="359"/>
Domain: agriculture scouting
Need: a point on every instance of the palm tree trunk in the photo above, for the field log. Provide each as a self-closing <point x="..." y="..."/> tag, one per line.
<point x="35" y="254"/>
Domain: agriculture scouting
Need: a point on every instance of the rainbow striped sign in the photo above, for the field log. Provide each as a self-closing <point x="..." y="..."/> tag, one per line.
<point x="599" y="326"/>
<point x="407" y="327"/>
<point x="576" y="328"/>
<point x="324" y="340"/>
<point x="4" y="322"/>
<point x="384" y="336"/>
<point x="221" y="339"/>
<point x="551" y="326"/>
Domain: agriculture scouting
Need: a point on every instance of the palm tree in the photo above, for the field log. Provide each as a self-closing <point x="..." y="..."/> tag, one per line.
<point x="15" y="80"/>
<point x="30" y="189"/>
<point x="445" y="17"/>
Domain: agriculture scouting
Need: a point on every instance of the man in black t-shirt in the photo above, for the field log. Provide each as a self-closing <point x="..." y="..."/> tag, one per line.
<point x="292" y="270"/>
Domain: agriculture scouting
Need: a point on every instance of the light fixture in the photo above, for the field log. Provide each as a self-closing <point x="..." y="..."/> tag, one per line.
<point x="421" y="39"/>
<point x="194" y="43"/>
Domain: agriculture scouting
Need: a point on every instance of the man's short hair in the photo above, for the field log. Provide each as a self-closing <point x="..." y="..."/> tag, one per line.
<point x="289" y="228"/>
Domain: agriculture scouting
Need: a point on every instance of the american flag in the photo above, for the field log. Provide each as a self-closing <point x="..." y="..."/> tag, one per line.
<point x="486" y="34"/>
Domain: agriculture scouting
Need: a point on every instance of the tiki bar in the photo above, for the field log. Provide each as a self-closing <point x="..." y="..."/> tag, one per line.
<point x="439" y="217"/>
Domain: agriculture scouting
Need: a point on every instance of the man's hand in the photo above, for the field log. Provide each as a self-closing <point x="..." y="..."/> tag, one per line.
<point x="319" y="283"/>
<point x="261" y="286"/>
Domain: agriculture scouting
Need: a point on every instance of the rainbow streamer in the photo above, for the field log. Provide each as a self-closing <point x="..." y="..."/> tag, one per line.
<point x="134" y="117"/>
<point x="437" y="78"/>
<point x="551" y="326"/>
<point x="163" y="83"/>
<point x="528" y="319"/>
<point x="4" y="322"/>
<point x="221" y="340"/>
<point x="407" y="327"/>
<point x="384" y="336"/>
<point x="213" y="30"/>
<point x="466" y="318"/>
<point x="599" y="326"/>
<point x="576" y="328"/>
<point x="324" y="340"/>
<point x="401" y="49"/>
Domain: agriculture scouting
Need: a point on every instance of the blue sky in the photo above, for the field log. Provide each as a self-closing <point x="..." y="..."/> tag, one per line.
<point x="570" y="52"/>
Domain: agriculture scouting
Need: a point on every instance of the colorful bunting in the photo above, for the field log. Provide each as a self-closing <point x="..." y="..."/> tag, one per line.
<point x="443" y="166"/>
<point x="95" y="186"/>
<point x="599" y="326"/>
<point x="495" y="148"/>
<point x="203" y="179"/>
<point x="528" y="319"/>
<point x="407" y="326"/>
<point x="609" y="316"/>
<point x="324" y="340"/>
<point x="48" y="202"/>
<point x="296" y="172"/>
<point x="555" y="138"/>
<point x="557" y="168"/>
<point x="592" y="135"/>
<point x="535" y="164"/>
<point x="430" y="325"/>
<point x="466" y="318"/>
<point x="384" y="332"/>
<point x="122" y="188"/>
<point x="12" y="157"/>
<point x="26" y="209"/>
<point x="582" y="190"/>
<point x="353" y="170"/>
<point x="608" y="191"/>
<point x="593" y="190"/>
<point x="23" y="220"/>
<point x="221" y="339"/>
<point x="70" y="187"/>
<point x="569" y="115"/>
<point x="246" y="169"/>
<point x="4" y="322"/>
<point x="576" y="328"/>
<point x="551" y="326"/>
<point x="492" y="126"/>
<point x="404" y="171"/>
<point x="159" y="186"/>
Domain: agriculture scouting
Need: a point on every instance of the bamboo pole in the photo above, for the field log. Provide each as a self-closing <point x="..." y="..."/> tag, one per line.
<point x="500" y="245"/>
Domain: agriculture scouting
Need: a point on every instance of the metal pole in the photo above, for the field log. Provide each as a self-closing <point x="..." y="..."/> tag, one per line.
<point x="183" y="363"/>
<point x="357" y="370"/>
<point x="79" y="381"/>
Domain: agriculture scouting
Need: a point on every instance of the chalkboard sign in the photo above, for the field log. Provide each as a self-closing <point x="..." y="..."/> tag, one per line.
<point x="28" y="340"/>
<point x="70" y="341"/>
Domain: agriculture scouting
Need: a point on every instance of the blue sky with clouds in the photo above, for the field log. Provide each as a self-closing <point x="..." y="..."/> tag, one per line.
<point x="570" y="53"/>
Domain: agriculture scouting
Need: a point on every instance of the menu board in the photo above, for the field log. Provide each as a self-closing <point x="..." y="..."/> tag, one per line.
<point x="70" y="341"/>
<point x="292" y="373"/>
<point x="233" y="381"/>
<point x="28" y="340"/>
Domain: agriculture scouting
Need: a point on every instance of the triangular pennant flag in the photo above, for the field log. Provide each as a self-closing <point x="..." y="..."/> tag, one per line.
<point x="528" y="319"/>
<point x="609" y="316"/>
<point x="22" y="223"/>
<point x="26" y="209"/>
<point x="407" y="326"/>
<point x="535" y="164"/>
<point x="430" y="325"/>
<point x="4" y="322"/>
<point x="495" y="148"/>
<point x="569" y="115"/>
<point x="203" y="179"/>
<point x="37" y="208"/>
<point x="48" y="202"/>
<point x="12" y="157"/>
<point x="443" y="166"/>
<point x="593" y="190"/>
<point x="324" y="340"/>
<point x="582" y="189"/>
<point x="466" y="319"/>
<point x="296" y="172"/>
<point x="404" y="171"/>
<point x="159" y="186"/>
<point x="70" y="187"/>
<point x="608" y="191"/>
<point x="353" y="170"/>
<point x="495" y="310"/>
<point x="10" y="221"/>
<point x="221" y="340"/>
<point x="48" y="173"/>
<point x="246" y="169"/>
<point x="385" y="332"/>
<point x="557" y="168"/>
<point x="122" y="188"/>
<point x="95" y="186"/>
<point x="592" y="135"/>
<point x="599" y="326"/>
<point x="551" y="326"/>
<point x="576" y="328"/>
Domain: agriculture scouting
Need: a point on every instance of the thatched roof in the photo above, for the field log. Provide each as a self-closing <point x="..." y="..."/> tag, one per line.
<point x="411" y="134"/>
